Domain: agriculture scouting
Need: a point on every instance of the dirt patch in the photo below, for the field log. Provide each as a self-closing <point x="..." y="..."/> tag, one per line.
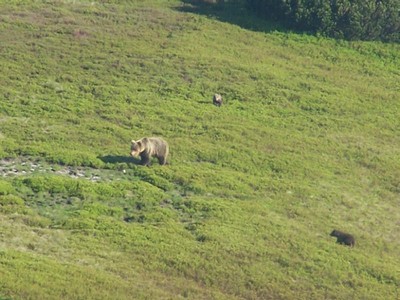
<point x="20" y="167"/>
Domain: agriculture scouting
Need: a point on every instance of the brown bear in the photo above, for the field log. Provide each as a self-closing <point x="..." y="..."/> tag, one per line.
<point x="343" y="238"/>
<point x="149" y="147"/>
<point x="217" y="100"/>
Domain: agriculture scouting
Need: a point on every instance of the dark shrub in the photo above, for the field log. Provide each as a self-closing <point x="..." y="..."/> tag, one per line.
<point x="349" y="19"/>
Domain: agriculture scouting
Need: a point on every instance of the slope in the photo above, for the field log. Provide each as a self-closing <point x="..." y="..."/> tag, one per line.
<point x="306" y="141"/>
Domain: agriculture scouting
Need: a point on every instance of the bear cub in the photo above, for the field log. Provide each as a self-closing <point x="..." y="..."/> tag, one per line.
<point x="343" y="238"/>
<point x="149" y="147"/>
<point x="217" y="99"/>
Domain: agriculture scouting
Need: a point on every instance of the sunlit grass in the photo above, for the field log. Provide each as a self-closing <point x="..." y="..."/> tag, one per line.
<point x="306" y="142"/>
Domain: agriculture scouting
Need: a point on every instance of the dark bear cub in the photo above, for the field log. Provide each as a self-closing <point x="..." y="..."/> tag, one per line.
<point x="150" y="147"/>
<point x="343" y="238"/>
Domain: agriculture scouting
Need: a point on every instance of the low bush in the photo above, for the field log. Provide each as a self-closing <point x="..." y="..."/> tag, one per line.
<point x="349" y="19"/>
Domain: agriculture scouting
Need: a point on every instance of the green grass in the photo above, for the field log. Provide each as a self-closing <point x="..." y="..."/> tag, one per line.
<point x="306" y="141"/>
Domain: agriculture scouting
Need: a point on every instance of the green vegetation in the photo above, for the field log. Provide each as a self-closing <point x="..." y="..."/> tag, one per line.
<point x="350" y="19"/>
<point x="307" y="141"/>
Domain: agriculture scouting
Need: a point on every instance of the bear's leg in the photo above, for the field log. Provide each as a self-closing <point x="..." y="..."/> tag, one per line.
<point x="145" y="159"/>
<point x="162" y="161"/>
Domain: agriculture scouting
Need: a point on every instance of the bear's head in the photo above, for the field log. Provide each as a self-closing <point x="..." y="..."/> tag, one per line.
<point x="137" y="147"/>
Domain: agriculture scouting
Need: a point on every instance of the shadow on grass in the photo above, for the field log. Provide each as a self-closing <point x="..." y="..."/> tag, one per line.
<point x="233" y="12"/>
<point x="116" y="159"/>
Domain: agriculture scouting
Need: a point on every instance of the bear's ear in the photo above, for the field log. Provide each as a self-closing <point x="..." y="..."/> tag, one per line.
<point x="133" y="142"/>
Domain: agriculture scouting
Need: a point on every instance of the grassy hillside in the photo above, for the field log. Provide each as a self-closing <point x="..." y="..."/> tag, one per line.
<point x="307" y="141"/>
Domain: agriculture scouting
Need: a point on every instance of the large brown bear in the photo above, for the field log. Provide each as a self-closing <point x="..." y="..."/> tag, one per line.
<point x="149" y="147"/>
<point x="343" y="238"/>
